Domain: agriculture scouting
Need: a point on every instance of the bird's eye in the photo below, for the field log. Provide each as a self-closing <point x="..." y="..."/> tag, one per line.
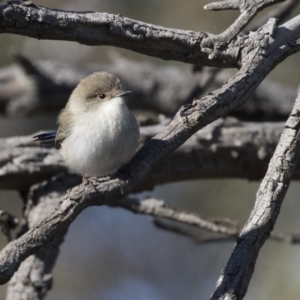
<point x="102" y="96"/>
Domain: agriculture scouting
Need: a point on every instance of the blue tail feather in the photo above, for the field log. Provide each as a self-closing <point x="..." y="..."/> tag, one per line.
<point x="46" y="138"/>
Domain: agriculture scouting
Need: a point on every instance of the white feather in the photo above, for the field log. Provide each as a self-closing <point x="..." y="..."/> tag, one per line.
<point x="102" y="140"/>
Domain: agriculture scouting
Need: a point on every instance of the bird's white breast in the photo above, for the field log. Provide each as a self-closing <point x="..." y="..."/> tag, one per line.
<point x="101" y="141"/>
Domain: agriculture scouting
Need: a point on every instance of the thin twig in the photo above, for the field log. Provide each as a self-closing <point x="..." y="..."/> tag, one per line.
<point x="200" y="237"/>
<point x="158" y="208"/>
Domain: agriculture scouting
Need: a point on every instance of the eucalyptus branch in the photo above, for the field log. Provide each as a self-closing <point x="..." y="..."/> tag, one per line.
<point x="223" y="149"/>
<point x="158" y="209"/>
<point x="100" y="29"/>
<point x="115" y="30"/>
<point x="248" y="10"/>
<point x="235" y="278"/>
<point x="189" y="119"/>
<point x="201" y="237"/>
<point x="34" y="277"/>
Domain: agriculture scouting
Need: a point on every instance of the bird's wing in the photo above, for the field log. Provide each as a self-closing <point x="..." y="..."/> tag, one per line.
<point x="65" y="120"/>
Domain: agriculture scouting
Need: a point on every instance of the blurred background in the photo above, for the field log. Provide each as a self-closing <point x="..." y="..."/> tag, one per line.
<point x="112" y="254"/>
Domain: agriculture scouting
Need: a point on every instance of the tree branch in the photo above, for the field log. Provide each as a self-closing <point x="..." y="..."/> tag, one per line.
<point x="248" y="10"/>
<point x="158" y="209"/>
<point x="262" y="56"/>
<point x="36" y="87"/>
<point x="200" y="237"/>
<point x="115" y="30"/>
<point x="225" y="149"/>
<point x="91" y="28"/>
<point x="34" y="278"/>
<point x="235" y="278"/>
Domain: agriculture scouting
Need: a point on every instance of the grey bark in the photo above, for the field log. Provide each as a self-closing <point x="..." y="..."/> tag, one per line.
<point x="234" y="280"/>
<point x="212" y="236"/>
<point x="248" y="9"/>
<point x="91" y="28"/>
<point x="259" y="55"/>
<point x="34" y="277"/>
<point x="29" y="88"/>
<point x="224" y="149"/>
<point x="255" y="54"/>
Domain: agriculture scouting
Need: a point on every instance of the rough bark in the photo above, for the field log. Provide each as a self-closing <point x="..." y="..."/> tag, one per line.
<point x="34" y="277"/>
<point x="91" y="28"/>
<point x="255" y="55"/>
<point x="225" y="149"/>
<point x="235" y="278"/>
<point x="36" y="87"/>
<point x="260" y="54"/>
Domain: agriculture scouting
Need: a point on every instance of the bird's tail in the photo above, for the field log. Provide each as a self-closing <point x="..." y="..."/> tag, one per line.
<point x="46" y="138"/>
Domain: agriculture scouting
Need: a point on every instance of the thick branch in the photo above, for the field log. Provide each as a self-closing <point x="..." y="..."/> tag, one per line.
<point x="44" y="86"/>
<point x="224" y="149"/>
<point x="189" y="119"/>
<point x="99" y="29"/>
<point x="235" y="278"/>
<point x="34" y="278"/>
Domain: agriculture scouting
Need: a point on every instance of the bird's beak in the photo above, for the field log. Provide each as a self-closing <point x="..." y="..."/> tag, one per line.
<point x="122" y="94"/>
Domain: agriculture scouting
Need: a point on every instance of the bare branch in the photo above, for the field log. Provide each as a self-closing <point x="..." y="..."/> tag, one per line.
<point x="248" y="11"/>
<point x="158" y="208"/>
<point x="163" y="90"/>
<point x="34" y="278"/>
<point x="22" y="164"/>
<point x="200" y="237"/>
<point x="225" y="149"/>
<point x="106" y="29"/>
<point x="115" y="30"/>
<point x="262" y="58"/>
<point x="235" y="278"/>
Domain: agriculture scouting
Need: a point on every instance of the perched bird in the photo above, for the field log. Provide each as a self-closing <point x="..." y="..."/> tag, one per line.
<point x="97" y="133"/>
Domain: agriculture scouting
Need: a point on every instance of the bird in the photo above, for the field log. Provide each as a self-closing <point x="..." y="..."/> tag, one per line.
<point x="97" y="133"/>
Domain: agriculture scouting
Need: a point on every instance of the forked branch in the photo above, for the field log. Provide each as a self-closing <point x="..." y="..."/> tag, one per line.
<point x="189" y="119"/>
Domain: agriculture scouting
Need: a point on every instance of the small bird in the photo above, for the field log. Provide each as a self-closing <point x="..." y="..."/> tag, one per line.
<point x="97" y="133"/>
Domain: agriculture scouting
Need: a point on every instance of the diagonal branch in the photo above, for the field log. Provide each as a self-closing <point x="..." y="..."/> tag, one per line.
<point x="235" y="278"/>
<point x="188" y="120"/>
<point x="34" y="278"/>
